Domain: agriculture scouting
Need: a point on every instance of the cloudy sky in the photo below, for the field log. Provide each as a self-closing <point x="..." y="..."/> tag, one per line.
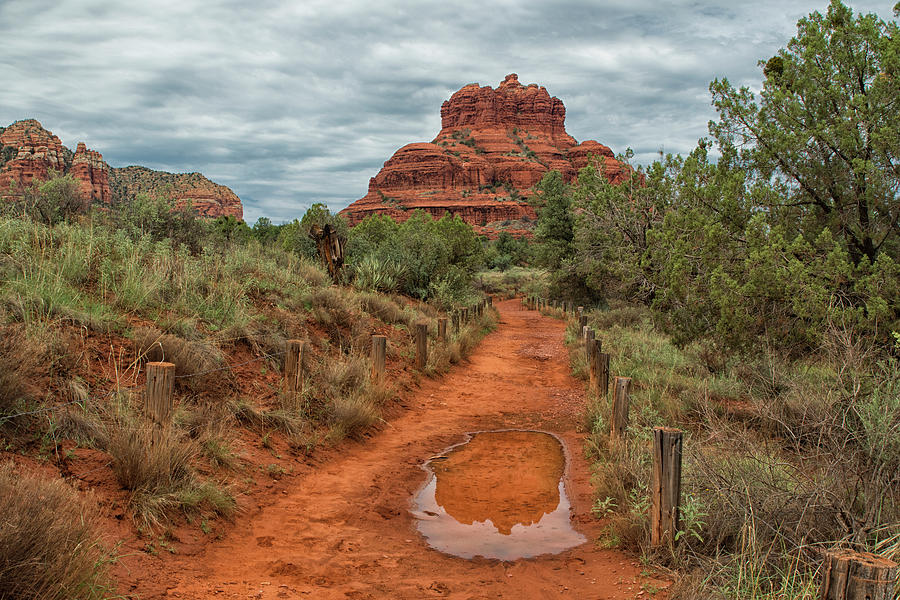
<point x="290" y="103"/>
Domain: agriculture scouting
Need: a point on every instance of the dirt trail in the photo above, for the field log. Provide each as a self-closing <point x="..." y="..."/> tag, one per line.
<point x="344" y="530"/>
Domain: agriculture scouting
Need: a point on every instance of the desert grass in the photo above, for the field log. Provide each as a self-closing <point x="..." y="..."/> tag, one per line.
<point x="458" y="346"/>
<point x="49" y="544"/>
<point x="196" y="362"/>
<point x="513" y="281"/>
<point x="782" y="460"/>
<point x="155" y="465"/>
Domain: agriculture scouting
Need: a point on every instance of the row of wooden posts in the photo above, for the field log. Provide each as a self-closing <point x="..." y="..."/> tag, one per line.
<point x="665" y="485"/>
<point x="847" y="575"/>
<point x="159" y="396"/>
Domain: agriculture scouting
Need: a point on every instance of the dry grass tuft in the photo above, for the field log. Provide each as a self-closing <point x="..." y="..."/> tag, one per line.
<point x="384" y="308"/>
<point x="189" y="357"/>
<point x="49" y="546"/>
<point x="18" y="366"/>
<point x="156" y="467"/>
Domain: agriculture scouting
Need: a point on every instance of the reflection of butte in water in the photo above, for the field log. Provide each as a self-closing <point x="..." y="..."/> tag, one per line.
<point x="500" y="495"/>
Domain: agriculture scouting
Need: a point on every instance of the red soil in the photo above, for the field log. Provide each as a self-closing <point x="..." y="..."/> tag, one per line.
<point x="340" y="526"/>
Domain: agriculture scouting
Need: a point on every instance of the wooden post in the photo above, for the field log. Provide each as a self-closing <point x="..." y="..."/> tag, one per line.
<point x="159" y="400"/>
<point x="293" y="367"/>
<point x="621" y="392"/>
<point x="421" y="345"/>
<point x="593" y="363"/>
<point x="588" y="344"/>
<point x="379" y="347"/>
<point x="442" y="329"/>
<point x="601" y="368"/>
<point x="665" y="486"/>
<point x="850" y="575"/>
<point x="465" y="315"/>
<point x="455" y="319"/>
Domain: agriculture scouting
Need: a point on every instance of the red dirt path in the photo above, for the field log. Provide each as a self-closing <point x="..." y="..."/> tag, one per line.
<point x="344" y="530"/>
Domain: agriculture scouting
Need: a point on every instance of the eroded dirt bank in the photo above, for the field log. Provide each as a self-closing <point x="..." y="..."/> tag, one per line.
<point x="344" y="530"/>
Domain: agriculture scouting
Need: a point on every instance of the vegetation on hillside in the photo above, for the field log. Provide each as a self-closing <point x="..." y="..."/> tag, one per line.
<point x="88" y="297"/>
<point x="752" y="291"/>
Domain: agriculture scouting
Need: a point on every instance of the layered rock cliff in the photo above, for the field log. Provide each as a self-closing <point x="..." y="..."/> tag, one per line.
<point x="207" y="198"/>
<point x="493" y="147"/>
<point x="29" y="153"/>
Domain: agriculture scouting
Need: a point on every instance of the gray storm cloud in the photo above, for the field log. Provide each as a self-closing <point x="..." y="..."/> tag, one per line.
<point x="290" y="103"/>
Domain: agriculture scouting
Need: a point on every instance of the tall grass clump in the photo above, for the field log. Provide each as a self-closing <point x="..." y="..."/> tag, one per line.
<point x="350" y="399"/>
<point x="155" y="465"/>
<point x="49" y="544"/>
<point x="459" y="345"/>
<point x="783" y="459"/>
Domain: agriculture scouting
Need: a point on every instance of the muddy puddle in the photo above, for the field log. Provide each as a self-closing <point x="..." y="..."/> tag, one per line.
<point x="498" y="495"/>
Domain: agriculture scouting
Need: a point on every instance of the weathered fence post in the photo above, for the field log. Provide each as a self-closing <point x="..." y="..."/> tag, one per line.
<point x="442" y="329"/>
<point x="421" y="345"/>
<point x="593" y="363"/>
<point x="379" y="349"/>
<point x="455" y="318"/>
<point x="293" y="368"/>
<point x="665" y="486"/>
<point x="159" y="400"/>
<point x="619" y="420"/>
<point x="850" y="575"/>
<point x="465" y="314"/>
<point x="602" y="370"/>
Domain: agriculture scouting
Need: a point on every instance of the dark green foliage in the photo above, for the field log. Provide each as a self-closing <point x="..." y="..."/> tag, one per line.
<point x="264" y="231"/>
<point x="7" y="153"/>
<point x="55" y="200"/>
<point x="791" y="232"/>
<point x="294" y="236"/>
<point x="154" y="217"/>
<point x="555" y="235"/>
<point x="427" y="258"/>
<point x="227" y="229"/>
<point x="506" y="251"/>
<point x="824" y="130"/>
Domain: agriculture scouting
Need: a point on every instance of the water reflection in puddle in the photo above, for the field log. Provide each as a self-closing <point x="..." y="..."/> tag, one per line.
<point x="499" y="495"/>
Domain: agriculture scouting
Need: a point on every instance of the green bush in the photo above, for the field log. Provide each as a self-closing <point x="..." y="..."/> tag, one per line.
<point x="424" y="256"/>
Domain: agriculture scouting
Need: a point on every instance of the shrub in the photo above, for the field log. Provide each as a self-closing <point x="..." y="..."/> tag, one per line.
<point x="422" y="251"/>
<point x="155" y="466"/>
<point x="49" y="545"/>
<point x="189" y="358"/>
<point x="17" y="367"/>
<point x="55" y="200"/>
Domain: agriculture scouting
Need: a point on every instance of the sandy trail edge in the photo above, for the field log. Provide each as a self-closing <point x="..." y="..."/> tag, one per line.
<point x="344" y="530"/>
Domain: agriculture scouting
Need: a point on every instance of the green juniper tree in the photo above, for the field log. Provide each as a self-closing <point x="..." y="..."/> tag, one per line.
<point x="824" y="129"/>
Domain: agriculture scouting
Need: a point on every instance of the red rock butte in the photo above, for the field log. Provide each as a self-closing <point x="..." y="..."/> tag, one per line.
<point x="493" y="147"/>
<point x="31" y="154"/>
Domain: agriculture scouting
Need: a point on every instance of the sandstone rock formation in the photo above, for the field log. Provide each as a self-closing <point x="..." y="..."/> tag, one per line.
<point x="29" y="153"/>
<point x="207" y="198"/>
<point x="92" y="173"/>
<point x="34" y="152"/>
<point x="493" y="147"/>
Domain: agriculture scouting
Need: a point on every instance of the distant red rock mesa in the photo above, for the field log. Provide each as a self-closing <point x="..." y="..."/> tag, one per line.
<point x="29" y="153"/>
<point x="494" y="146"/>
